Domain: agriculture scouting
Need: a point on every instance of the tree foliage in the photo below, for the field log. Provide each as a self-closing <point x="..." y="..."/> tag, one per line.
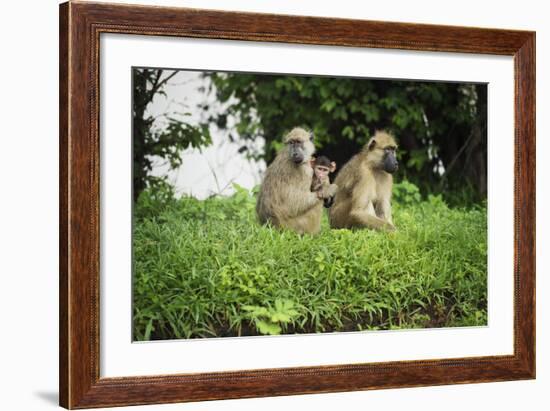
<point x="151" y="138"/>
<point x="441" y="126"/>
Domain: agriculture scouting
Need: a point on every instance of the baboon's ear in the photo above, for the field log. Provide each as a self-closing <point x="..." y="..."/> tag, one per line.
<point x="332" y="166"/>
<point x="372" y="144"/>
<point x="311" y="136"/>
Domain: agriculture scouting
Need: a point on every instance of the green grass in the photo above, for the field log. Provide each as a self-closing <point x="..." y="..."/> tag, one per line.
<point x="207" y="269"/>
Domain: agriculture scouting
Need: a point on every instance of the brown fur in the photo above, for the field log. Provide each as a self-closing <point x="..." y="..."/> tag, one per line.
<point x="285" y="199"/>
<point x="364" y="195"/>
<point x="317" y="184"/>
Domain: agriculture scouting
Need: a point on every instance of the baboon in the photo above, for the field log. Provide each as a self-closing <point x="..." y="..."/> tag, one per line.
<point x="322" y="167"/>
<point x="365" y="187"/>
<point x="285" y="198"/>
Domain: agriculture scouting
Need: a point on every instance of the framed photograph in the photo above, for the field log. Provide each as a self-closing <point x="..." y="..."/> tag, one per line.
<point x="258" y="205"/>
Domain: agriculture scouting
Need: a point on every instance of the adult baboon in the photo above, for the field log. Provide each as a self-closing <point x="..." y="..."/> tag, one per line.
<point x="285" y="198"/>
<point x="365" y="187"/>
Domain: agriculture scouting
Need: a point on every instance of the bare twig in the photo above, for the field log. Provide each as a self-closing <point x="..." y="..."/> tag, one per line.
<point x="455" y="159"/>
<point x="163" y="82"/>
<point x="215" y="176"/>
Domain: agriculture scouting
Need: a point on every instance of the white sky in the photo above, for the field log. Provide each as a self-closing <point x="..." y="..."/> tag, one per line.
<point x="213" y="169"/>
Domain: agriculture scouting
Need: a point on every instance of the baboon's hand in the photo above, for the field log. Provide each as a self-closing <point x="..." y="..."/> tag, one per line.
<point x="332" y="189"/>
<point x="327" y="192"/>
<point x="389" y="227"/>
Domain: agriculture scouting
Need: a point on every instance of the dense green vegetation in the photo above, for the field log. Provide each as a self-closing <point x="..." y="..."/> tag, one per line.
<point x="441" y="127"/>
<point x="207" y="269"/>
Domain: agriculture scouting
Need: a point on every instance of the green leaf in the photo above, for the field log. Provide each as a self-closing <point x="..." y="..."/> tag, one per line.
<point x="148" y="329"/>
<point x="265" y="327"/>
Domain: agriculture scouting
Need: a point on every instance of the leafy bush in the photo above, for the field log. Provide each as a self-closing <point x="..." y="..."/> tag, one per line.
<point x="208" y="269"/>
<point x="406" y="193"/>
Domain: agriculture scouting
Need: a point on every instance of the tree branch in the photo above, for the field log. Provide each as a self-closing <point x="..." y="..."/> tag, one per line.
<point x="158" y="84"/>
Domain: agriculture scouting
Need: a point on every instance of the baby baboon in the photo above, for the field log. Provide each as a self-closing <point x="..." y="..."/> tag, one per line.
<point x="322" y="167"/>
<point x="365" y="187"/>
<point x="285" y="198"/>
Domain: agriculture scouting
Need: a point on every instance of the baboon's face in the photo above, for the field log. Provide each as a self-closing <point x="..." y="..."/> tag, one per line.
<point x="390" y="163"/>
<point x="300" y="146"/>
<point x="321" y="172"/>
<point x="382" y="150"/>
<point x="299" y="150"/>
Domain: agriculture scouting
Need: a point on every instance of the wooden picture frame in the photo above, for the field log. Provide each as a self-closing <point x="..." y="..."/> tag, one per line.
<point x="80" y="27"/>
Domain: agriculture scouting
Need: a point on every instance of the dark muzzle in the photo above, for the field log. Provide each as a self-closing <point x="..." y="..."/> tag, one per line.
<point x="390" y="164"/>
<point x="297" y="158"/>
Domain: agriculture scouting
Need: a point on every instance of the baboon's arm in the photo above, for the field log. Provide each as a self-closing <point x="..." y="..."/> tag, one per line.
<point x="328" y="190"/>
<point x="383" y="210"/>
<point x="299" y="202"/>
<point x="362" y="213"/>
